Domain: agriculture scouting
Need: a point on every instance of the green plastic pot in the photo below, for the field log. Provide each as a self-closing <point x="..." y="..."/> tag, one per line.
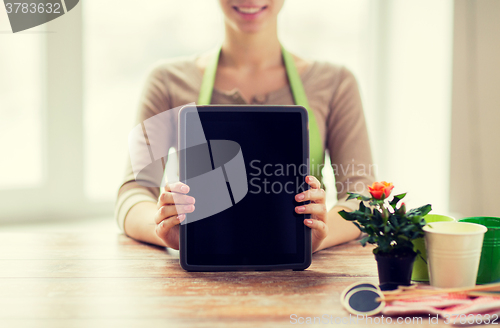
<point x="489" y="265"/>
<point x="420" y="271"/>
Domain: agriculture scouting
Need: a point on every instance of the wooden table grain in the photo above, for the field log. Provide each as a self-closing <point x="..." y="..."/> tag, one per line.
<point x="109" y="280"/>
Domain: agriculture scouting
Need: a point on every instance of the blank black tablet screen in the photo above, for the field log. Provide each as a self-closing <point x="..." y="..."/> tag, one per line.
<point x="263" y="228"/>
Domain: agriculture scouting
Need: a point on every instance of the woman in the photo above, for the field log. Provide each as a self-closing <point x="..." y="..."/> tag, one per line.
<point x="250" y="69"/>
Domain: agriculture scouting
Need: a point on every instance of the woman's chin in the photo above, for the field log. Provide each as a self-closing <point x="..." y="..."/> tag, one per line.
<point x="250" y="27"/>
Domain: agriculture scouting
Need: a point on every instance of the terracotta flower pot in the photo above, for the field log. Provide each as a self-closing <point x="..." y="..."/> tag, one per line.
<point x="394" y="269"/>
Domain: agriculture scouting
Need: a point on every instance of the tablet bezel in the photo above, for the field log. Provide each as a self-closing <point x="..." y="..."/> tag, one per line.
<point x="183" y="256"/>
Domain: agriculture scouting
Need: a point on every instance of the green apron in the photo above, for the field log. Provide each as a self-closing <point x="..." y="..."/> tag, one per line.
<point x="316" y="152"/>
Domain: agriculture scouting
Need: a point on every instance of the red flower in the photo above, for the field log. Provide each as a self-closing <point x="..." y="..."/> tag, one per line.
<point x="381" y="190"/>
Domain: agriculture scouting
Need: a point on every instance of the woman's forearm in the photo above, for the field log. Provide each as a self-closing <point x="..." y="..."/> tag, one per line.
<point x="339" y="230"/>
<point x="140" y="225"/>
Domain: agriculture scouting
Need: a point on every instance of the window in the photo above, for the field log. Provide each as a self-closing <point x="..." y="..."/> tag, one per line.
<point x="413" y="130"/>
<point x="21" y="106"/>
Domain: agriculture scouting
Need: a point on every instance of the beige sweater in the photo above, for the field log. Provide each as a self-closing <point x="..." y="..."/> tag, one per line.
<point x="333" y="96"/>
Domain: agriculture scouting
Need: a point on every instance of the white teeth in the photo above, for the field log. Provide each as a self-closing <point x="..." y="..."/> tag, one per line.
<point x="248" y="10"/>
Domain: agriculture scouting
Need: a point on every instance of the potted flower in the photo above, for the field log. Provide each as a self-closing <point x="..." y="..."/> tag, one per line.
<point x="388" y="225"/>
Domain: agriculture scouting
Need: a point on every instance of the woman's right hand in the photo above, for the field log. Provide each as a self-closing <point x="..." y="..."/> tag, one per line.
<point x="173" y="204"/>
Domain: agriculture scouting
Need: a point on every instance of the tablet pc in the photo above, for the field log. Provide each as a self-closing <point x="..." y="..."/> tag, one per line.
<point x="244" y="165"/>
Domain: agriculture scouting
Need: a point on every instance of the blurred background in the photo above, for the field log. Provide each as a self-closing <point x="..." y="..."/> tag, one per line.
<point x="428" y="71"/>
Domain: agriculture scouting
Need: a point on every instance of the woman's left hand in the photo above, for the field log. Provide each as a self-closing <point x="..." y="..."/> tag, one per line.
<point x="317" y="209"/>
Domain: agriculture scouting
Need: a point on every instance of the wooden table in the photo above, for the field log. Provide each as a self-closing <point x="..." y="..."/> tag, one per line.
<point x="108" y="280"/>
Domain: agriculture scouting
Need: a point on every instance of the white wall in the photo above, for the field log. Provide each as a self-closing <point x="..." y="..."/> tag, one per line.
<point x="475" y="149"/>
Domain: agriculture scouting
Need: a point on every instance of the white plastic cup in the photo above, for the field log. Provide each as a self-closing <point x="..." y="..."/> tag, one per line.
<point x="453" y="253"/>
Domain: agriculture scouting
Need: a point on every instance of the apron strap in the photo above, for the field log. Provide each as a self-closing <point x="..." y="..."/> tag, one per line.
<point x="316" y="151"/>
<point x="207" y="84"/>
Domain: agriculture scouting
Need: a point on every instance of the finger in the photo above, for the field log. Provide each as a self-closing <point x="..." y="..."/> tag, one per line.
<point x="320" y="227"/>
<point x="313" y="182"/>
<point x="172" y="210"/>
<point x="177" y="187"/>
<point x="319" y="210"/>
<point x="165" y="225"/>
<point x="314" y="195"/>
<point x="170" y="198"/>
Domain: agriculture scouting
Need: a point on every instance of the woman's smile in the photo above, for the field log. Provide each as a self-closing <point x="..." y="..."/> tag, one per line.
<point x="249" y="12"/>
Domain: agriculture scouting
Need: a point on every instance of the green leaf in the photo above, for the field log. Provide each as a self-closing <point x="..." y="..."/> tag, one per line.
<point x="394" y="221"/>
<point x="417" y="234"/>
<point x="358" y="213"/>
<point x="352" y="196"/>
<point x="359" y="227"/>
<point x="377" y="202"/>
<point x="345" y="215"/>
<point x="419" y="254"/>
<point x="403" y="237"/>
<point x="416" y="219"/>
<point x="407" y="228"/>
<point x="395" y="200"/>
<point x="384" y="245"/>
<point x="421" y="211"/>
<point x="364" y="240"/>
<point x="357" y="196"/>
